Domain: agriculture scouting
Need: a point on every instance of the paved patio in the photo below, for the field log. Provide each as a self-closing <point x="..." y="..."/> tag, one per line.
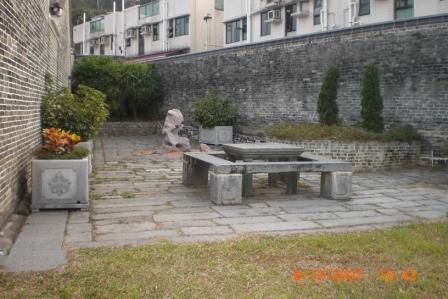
<point x="138" y="197"/>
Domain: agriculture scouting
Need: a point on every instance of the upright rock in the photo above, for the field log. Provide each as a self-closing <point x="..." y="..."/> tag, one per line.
<point x="171" y="127"/>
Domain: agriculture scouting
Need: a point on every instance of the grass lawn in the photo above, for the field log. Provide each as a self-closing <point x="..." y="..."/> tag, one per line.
<point x="253" y="267"/>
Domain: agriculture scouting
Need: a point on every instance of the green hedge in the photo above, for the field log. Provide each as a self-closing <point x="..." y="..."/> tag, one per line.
<point x="132" y="90"/>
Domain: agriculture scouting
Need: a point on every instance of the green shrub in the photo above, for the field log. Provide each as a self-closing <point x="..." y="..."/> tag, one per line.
<point x="305" y="131"/>
<point x="210" y="112"/>
<point x="132" y="90"/>
<point x="140" y="90"/>
<point x="327" y="107"/>
<point x="77" y="153"/>
<point x="371" y="101"/>
<point x="81" y="113"/>
<point x="402" y="134"/>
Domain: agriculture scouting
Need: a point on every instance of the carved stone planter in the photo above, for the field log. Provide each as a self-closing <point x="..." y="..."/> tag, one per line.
<point x="216" y="135"/>
<point x="88" y="145"/>
<point x="60" y="184"/>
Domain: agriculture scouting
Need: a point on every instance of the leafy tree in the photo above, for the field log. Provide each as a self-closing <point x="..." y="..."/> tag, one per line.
<point x="326" y="105"/>
<point x="371" y="101"/>
<point x="102" y="73"/>
<point x="140" y="89"/>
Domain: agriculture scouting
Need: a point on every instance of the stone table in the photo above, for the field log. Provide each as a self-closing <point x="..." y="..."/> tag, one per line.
<point x="265" y="151"/>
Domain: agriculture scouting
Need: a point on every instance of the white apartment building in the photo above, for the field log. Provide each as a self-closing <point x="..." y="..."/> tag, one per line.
<point x="157" y="28"/>
<point x="249" y="21"/>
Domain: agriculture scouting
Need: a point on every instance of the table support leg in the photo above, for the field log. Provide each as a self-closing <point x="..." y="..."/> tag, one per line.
<point x="291" y="179"/>
<point x="336" y="185"/>
<point x="225" y="188"/>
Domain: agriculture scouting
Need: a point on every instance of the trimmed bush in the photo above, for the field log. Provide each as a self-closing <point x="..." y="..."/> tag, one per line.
<point x="210" y="112"/>
<point x="371" y="101"/>
<point x="326" y="105"/>
<point x="82" y="113"/>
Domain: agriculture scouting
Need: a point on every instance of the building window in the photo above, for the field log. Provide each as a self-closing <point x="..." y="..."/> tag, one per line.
<point x="316" y="11"/>
<point x="101" y="49"/>
<point x="92" y="50"/>
<point x="244" y="21"/>
<point x="265" y="26"/>
<point x="141" y="43"/>
<point x="155" y="32"/>
<point x="291" y="21"/>
<point x="128" y="42"/>
<point x="97" y="26"/>
<point x="236" y="31"/>
<point x="219" y="4"/>
<point x="181" y="26"/>
<point x="364" y="7"/>
<point x="171" y="28"/>
<point x="149" y="10"/>
<point x="78" y="49"/>
<point x="404" y="9"/>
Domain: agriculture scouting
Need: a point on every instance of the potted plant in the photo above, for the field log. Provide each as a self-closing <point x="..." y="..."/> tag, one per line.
<point x="215" y="118"/>
<point x="60" y="172"/>
<point x="82" y="112"/>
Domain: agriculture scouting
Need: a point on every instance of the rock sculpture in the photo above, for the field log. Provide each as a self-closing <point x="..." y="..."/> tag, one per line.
<point x="171" y="128"/>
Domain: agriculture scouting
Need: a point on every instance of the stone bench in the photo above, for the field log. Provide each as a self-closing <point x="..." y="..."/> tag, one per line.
<point x="226" y="177"/>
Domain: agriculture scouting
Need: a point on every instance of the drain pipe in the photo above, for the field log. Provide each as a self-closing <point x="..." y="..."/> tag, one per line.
<point x="248" y="22"/>
<point x="84" y="34"/>
<point x="123" y="40"/>
<point x="114" y="31"/>
<point x="324" y="15"/>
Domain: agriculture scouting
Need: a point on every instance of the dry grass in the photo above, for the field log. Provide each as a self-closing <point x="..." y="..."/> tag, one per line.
<point x="290" y="131"/>
<point x="260" y="267"/>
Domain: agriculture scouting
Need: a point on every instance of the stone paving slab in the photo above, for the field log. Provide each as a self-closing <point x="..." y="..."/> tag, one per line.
<point x="39" y="246"/>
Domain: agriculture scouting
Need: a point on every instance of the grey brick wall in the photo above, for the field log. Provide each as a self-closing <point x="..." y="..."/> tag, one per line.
<point x="30" y="46"/>
<point x="280" y="80"/>
<point x="365" y="156"/>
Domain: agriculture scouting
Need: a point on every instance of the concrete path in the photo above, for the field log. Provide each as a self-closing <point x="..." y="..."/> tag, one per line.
<point x="139" y="198"/>
<point x="39" y="245"/>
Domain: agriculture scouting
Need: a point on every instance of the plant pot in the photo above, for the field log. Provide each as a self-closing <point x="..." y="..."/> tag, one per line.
<point x="88" y="145"/>
<point x="216" y="135"/>
<point x="60" y="184"/>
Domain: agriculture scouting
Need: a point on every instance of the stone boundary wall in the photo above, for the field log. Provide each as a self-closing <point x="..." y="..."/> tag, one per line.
<point x="125" y="128"/>
<point x="32" y="43"/>
<point x="280" y="80"/>
<point x="365" y="156"/>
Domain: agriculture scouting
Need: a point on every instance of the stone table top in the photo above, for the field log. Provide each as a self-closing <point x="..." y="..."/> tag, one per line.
<point x="251" y="151"/>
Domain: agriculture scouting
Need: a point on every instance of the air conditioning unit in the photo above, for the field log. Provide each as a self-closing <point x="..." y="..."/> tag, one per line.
<point x="146" y="30"/>
<point x="274" y="16"/>
<point x="303" y="9"/>
<point x="271" y="3"/>
<point x="130" y="33"/>
<point x="104" y="40"/>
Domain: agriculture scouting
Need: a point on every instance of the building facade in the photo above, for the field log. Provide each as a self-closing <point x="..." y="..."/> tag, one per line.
<point x="159" y="27"/>
<point x="34" y="41"/>
<point x="249" y="21"/>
